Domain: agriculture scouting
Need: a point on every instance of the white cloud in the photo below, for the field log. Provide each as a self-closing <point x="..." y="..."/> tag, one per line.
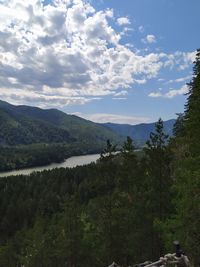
<point x="180" y="60"/>
<point x="114" y="118"/>
<point x="140" y="81"/>
<point x="123" y="21"/>
<point x="149" y="39"/>
<point x="155" y="94"/>
<point x="67" y="52"/>
<point x="121" y="93"/>
<point x="180" y="80"/>
<point x="126" y="32"/>
<point x="19" y="96"/>
<point x="171" y="93"/>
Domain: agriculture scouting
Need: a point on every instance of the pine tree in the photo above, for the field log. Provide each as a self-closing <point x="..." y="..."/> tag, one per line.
<point x="158" y="169"/>
<point x="108" y="153"/>
<point x="192" y="109"/>
<point x="185" y="224"/>
<point x="158" y="183"/>
<point x="179" y="126"/>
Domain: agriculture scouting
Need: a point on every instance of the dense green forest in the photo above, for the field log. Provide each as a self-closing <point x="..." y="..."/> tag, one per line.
<point x="124" y="208"/>
<point x="41" y="154"/>
<point x="24" y="125"/>
<point x="31" y="136"/>
<point x="87" y="215"/>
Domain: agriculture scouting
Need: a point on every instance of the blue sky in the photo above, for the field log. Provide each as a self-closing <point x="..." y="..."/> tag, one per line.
<point x="104" y="60"/>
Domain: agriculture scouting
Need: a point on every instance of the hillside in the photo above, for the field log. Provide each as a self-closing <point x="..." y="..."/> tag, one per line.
<point x="22" y="125"/>
<point x="30" y="136"/>
<point x="140" y="132"/>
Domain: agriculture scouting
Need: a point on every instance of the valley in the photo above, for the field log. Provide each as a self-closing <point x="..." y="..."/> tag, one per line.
<point x="30" y="136"/>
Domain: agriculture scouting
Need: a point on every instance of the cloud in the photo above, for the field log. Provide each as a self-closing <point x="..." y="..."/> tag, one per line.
<point x="67" y="52"/>
<point x="180" y="60"/>
<point x="180" y="80"/>
<point x="119" y="98"/>
<point x="155" y="94"/>
<point x="171" y="93"/>
<point x="141" y="29"/>
<point x="114" y="118"/>
<point x="121" y="93"/>
<point x="126" y="32"/>
<point x="42" y="100"/>
<point x="123" y="21"/>
<point x="149" y="39"/>
<point x="140" y="81"/>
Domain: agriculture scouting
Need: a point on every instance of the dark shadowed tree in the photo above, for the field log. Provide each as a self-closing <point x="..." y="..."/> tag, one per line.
<point x="158" y="183"/>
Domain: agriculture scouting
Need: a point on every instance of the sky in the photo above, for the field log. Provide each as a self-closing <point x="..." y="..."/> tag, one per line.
<point x="104" y="60"/>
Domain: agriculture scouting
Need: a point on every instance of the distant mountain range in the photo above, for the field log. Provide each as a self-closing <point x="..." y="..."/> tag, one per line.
<point x="140" y="132"/>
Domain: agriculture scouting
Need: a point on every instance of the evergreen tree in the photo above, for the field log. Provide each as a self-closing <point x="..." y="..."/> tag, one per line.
<point x="158" y="183"/>
<point x="179" y="126"/>
<point x="192" y="109"/>
<point x="185" y="224"/>
<point x="109" y="152"/>
<point x="158" y="172"/>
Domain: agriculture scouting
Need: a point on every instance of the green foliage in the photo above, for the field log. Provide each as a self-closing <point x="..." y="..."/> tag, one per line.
<point x="192" y="112"/>
<point x="94" y="214"/>
<point x="108" y="152"/>
<point x="184" y="222"/>
<point x="23" y="156"/>
<point x="178" y="130"/>
<point x="31" y="136"/>
<point x="28" y="125"/>
<point x="75" y="216"/>
<point x="158" y="183"/>
<point x="128" y="146"/>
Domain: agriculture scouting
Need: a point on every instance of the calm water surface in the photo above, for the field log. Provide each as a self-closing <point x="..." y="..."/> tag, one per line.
<point x="70" y="163"/>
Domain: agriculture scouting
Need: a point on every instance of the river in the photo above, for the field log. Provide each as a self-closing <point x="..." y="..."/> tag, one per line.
<point x="70" y="163"/>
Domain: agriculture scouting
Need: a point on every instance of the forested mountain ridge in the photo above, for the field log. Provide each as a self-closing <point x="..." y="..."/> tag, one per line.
<point x="30" y="136"/>
<point x="22" y="125"/>
<point x="28" y="125"/>
<point x="18" y="129"/>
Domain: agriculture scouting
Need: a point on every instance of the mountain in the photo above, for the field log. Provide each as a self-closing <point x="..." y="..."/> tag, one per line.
<point x="22" y="125"/>
<point x="30" y="136"/>
<point x="140" y="132"/>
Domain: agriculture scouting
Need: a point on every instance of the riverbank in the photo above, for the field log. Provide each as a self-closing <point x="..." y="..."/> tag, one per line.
<point x="68" y="163"/>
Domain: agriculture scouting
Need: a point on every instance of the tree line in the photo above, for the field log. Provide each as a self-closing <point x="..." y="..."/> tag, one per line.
<point x="26" y="156"/>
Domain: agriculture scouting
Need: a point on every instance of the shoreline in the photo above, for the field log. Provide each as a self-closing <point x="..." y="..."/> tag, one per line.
<point x="70" y="162"/>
